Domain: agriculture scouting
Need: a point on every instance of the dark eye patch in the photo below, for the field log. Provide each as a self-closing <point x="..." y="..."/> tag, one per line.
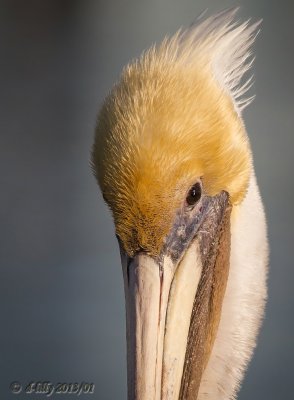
<point x="194" y="194"/>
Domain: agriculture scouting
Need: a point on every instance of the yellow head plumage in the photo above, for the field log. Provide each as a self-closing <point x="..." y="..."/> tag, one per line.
<point x="175" y="117"/>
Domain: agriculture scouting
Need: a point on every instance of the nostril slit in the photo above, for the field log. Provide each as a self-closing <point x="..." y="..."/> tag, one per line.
<point x="128" y="269"/>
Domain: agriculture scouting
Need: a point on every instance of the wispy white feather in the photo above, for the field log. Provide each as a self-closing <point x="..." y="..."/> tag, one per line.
<point x="225" y="44"/>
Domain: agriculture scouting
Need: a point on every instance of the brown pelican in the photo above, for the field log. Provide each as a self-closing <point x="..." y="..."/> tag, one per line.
<point x="174" y="164"/>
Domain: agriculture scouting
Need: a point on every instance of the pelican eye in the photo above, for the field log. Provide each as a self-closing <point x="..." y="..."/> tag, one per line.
<point x="194" y="194"/>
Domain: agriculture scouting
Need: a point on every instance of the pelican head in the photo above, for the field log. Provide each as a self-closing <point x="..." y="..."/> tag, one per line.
<point x="173" y="161"/>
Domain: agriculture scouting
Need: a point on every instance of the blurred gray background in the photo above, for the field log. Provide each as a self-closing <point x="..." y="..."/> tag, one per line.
<point x="62" y="302"/>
